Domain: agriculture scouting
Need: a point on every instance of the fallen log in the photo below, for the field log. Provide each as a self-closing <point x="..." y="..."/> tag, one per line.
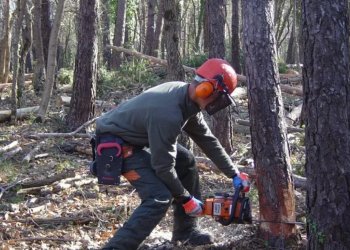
<point x="4" y="86"/>
<point x="65" y="101"/>
<point x="284" y="81"/>
<point x="22" y="113"/>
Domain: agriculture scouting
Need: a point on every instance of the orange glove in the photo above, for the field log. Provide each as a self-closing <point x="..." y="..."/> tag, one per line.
<point x="193" y="207"/>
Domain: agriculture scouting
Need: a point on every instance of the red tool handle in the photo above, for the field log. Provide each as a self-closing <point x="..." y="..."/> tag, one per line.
<point x="102" y="146"/>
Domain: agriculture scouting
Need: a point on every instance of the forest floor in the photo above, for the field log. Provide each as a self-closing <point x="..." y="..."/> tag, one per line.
<point x="52" y="202"/>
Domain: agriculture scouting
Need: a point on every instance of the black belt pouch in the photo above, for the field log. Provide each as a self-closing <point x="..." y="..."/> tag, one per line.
<point x="109" y="160"/>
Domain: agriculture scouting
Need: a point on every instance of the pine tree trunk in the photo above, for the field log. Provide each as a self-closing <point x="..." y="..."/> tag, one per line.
<point x="148" y="49"/>
<point x="222" y="123"/>
<point x="268" y="130"/>
<point x="171" y="29"/>
<point x="327" y="139"/>
<point x="39" y="67"/>
<point x="118" y="33"/>
<point x="106" y="33"/>
<point x="236" y="46"/>
<point x="4" y="39"/>
<point x="82" y="105"/>
<point x="45" y="28"/>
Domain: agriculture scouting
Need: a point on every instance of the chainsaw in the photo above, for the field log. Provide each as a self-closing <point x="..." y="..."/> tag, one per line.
<point x="227" y="209"/>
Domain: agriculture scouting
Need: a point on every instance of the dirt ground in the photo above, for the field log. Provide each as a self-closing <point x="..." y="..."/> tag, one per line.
<point x="76" y="213"/>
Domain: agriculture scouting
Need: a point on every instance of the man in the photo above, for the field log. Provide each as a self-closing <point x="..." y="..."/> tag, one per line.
<point x="166" y="173"/>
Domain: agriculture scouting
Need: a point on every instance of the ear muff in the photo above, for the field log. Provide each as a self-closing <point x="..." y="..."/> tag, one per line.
<point x="204" y="89"/>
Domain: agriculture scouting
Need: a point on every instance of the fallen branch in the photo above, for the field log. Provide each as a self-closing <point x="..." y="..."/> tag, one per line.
<point x="9" y="146"/>
<point x="30" y="155"/>
<point x="65" y="135"/>
<point x="299" y="181"/>
<point x="54" y="221"/>
<point x="290" y="129"/>
<point x="11" y="153"/>
<point x="41" y="239"/>
<point x="9" y="186"/>
<point x="48" y="181"/>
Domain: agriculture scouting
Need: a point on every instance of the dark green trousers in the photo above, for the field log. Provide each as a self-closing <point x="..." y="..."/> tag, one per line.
<point x="155" y="198"/>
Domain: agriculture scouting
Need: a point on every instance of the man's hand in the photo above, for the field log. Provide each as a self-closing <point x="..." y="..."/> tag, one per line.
<point x="241" y="181"/>
<point x="193" y="207"/>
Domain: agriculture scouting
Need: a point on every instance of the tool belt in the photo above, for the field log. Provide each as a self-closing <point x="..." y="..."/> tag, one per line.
<point x="108" y="153"/>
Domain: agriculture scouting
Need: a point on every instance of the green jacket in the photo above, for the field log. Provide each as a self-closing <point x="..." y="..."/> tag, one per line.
<point x="154" y="119"/>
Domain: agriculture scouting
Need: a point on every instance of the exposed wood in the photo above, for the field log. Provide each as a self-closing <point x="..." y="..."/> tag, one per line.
<point x="22" y="113"/>
<point x="48" y="180"/>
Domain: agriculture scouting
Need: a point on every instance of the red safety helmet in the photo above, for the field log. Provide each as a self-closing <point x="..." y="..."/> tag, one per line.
<point x="213" y="67"/>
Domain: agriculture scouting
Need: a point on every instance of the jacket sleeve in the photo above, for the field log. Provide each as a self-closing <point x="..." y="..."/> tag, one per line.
<point x="162" y="137"/>
<point x="200" y="133"/>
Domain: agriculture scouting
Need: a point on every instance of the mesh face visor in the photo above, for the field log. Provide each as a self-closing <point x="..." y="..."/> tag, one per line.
<point x="222" y="101"/>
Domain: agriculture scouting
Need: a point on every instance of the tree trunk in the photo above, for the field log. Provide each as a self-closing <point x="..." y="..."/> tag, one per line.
<point x="327" y="138"/>
<point x="4" y="40"/>
<point x="171" y="30"/>
<point x="45" y="28"/>
<point x="16" y="43"/>
<point x="235" y="37"/>
<point x="118" y="33"/>
<point x="148" y="49"/>
<point x="82" y="105"/>
<point x="106" y="33"/>
<point x="51" y="63"/>
<point x="222" y="123"/>
<point x="197" y="46"/>
<point x="159" y="28"/>
<point x="25" y="46"/>
<point x="268" y="130"/>
<point x="39" y="67"/>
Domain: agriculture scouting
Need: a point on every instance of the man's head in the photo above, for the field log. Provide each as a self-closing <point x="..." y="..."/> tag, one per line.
<point x="215" y="80"/>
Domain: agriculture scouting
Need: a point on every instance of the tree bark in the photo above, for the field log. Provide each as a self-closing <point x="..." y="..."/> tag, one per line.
<point x="222" y="120"/>
<point x="150" y="28"/>
<point x="235" y="37"/>
<point x="82" y="105"/>
<point x="25" y="46"/>
<point x="159" y="28"/>
<point x="171" y="30"/>
<point x="106" y="33"/>
<point x="327" y="139"/>
<point x="268" y="131"/>
<point x="118" y="33"/>
<point x="16" y="42"/>
<point x="4" y="40"/>
<point x="45" y="28"/>
<point x="51" y="63"/>
<point x="39" y="67"/>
